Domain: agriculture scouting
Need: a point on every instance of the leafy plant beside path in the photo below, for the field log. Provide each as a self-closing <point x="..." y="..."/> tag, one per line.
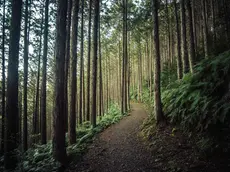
<point x="40" y="158"/>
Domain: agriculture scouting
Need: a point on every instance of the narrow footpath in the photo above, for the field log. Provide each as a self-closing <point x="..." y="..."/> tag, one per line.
<point x="118" y="148"/>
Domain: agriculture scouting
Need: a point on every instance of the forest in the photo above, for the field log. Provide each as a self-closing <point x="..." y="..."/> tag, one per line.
<point x="115" y="85"/>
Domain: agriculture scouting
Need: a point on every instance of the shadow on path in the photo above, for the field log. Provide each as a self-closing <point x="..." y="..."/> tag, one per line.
<point x="118" y="148"/>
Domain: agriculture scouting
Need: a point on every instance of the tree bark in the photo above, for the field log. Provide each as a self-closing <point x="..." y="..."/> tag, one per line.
<point x="94" y="62"/>
<point x="81" y="62"/>
<point x="44" y="76"/>
<point x="3" y="78"/>
<point x="205" y="29"/>
<point x="100" y="72"/>
<point x="213" y="23"/>
<point x="191" y="37"/>
<point x="184" y="38"/>
<point x="36" y="110"/>
<point x="67" y="56"/>
<point x="157" y="69"/>
<point x="73" y="57"/>
<point x="89" y="59"/>
<point x="26" y="44"/>
<point x="12" y="115"/>
<point x="124" y="69"/>
<point x="59" y="147"/>
<point x="179" y="62"/>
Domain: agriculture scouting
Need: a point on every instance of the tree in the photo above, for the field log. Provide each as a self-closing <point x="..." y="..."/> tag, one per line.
<point x="12" y="116"/>
<point x="191" y="36"/>
<point x="157" y="67"/>
<point x="88" y="64"/>
<point x="59" y="147"/>
<point x="73" y="56"/>
<point x="26" y="44"/>
<point x="44" y="76"/>
<point x="81" y="62"/>
<point x="94" y="62"/>
<point x="179" y="62"/>
<point x="100" y="71"/>
<point x="68" y="27"/>
<point x="184" y="38"/>
<point x="205" y="29"/>
<point x="36" y="109"/>
<point x="124" y="103"/>
<point x="3" y="77"/>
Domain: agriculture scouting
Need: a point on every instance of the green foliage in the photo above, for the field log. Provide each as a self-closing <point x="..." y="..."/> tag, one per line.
<point x="168" y="75"/>
<point x="199" y="102"/>
<point x="40" y="158"/>
<point x="148" y="128"/>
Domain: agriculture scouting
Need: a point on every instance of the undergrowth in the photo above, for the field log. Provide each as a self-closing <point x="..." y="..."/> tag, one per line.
<point x="40" y="158"/>
<point x="198" y="104"/>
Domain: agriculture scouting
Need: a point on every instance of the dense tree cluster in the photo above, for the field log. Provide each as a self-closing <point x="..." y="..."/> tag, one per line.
<point x="65" y="62"/>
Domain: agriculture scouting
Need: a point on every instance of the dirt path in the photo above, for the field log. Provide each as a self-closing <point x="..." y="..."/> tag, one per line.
<point x="118" y="148"/>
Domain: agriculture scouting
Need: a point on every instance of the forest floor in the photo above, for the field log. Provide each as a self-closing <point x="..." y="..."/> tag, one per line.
<point x="121" y="149"/>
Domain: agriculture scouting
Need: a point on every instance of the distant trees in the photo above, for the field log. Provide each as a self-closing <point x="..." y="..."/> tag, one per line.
<point x="119" y="59"/>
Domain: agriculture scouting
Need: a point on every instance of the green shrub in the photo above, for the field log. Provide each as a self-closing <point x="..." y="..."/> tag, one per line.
<point x="198" y="102"/>
<point x="40" y="158"/>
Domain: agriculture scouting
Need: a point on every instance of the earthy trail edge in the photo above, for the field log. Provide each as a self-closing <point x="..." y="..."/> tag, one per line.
<point x="118" y="148"/>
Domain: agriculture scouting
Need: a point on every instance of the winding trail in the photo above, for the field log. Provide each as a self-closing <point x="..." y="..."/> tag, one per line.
<point x="118" y="148"/>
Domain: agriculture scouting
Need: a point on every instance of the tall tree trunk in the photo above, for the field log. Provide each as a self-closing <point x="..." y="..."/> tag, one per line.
<point x="168" y="31"/>
<point x="12" y="116"/>
<point x="59" y="147"/>
<point x="194" y="24"/>
<point x="227" y="18"/>
<point x="100" y="71"/>
<point x="73" y="57"/>
<point x="213" y="23"/>
<point x="3" y="78"/>
<point x="191" y="36"/>
<point x="26" y="42"/>
<point x="36" y="110"/>
<point x="157" y="68"/>
<point x="184" y="38"/>
<point x="205" y="29"/>
<point x="88" y="65"/>
<point x="67" y="56"/>
<point x="83" y="95"/>
<point x="179" y="62"/>
<point x="44" y="76"/>
<point x="151" y="59"/>
<point x="124" y="73"/>
<point x="81" y="62"/>
<point x="94" y="62"/>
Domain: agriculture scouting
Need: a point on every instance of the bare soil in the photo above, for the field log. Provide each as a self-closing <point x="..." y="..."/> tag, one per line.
<point x="121" y="149"/>
<point x="118" y="148"/>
